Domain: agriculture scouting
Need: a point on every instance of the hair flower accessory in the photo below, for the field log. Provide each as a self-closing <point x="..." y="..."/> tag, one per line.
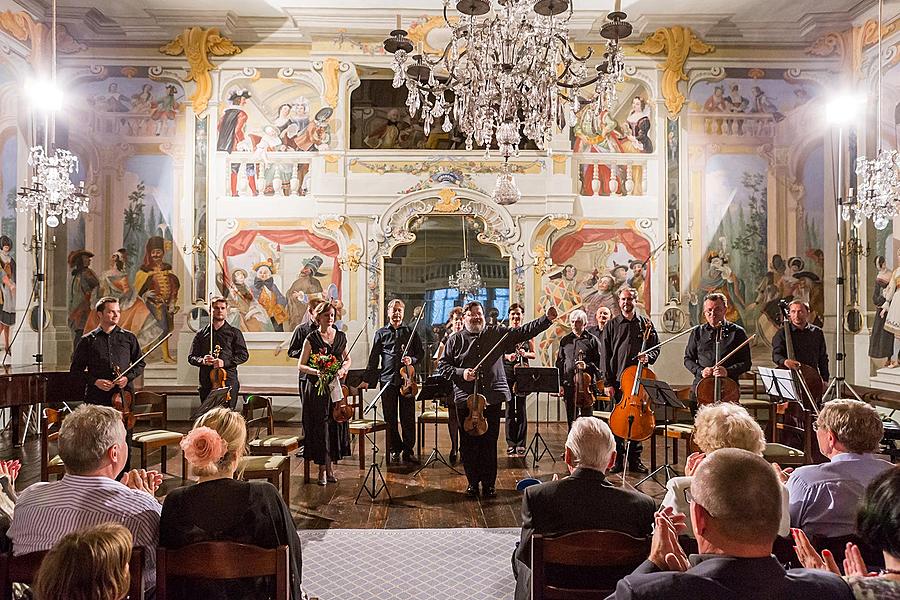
<point x="203" y="446"/>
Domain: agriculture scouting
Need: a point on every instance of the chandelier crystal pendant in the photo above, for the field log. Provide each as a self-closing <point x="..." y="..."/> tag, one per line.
<point x="52" y="188"/>
<point x="508" y="69"/>
<point x="467" y="279"/>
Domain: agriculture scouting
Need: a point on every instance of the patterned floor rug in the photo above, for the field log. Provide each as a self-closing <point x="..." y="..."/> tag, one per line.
<point x="408" y="564"/>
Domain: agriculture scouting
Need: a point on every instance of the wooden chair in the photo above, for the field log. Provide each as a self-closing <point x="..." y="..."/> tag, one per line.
<point x="222" y="561"/>
<point x="50" y="423"/>
<point x="790" y="417"/>
<point x="272" y="468"/>
<point x="269" y="444"/>
<point x="362" y="427"/>
<point x="429" y="416"/>
<point x="675" y="432"/>
<point x="151" y="408"/>
<point x="24" y="568"/>
<point x="609" y="554"/>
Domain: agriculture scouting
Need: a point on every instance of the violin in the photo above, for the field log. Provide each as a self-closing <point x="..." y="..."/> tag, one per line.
<point x="632" y="417"/>
<point x="123" y="401"/>
<point x="476" y="423"/>
<point x="218" y="375"/>
<point x="715" y="388"/>
<point x="342" y="411"/>
<point x="408" y="385"/>
<point x="584" y="397"/>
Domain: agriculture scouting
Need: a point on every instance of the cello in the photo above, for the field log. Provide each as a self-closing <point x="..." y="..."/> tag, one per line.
<point x="632" y="418"/>
<point x="715" y="388"/>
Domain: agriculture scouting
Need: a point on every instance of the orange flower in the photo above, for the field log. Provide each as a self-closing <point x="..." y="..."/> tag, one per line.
<point x="203" y="446"/>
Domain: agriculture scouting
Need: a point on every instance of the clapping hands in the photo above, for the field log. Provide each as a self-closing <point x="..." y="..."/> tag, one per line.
<point x="665" y="551"/>
<point x="145" y="481"/>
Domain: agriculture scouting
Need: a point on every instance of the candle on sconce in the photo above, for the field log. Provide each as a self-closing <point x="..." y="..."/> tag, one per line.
<point x="399" y="23"/>
<point x="618" y="6"/>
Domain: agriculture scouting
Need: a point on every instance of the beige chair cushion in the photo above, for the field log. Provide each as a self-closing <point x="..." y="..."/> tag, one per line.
<point x="773" y="450"/>
<point x="157" y="436"/>
<point x="262" y="463"/>
<point x="429" y="415"/>
<point x="275" y="441"/>
<point x="751" y="404"/>
<point x="676" y="430"/>
<point x="357" y="425"/>
<point x="602" y="414"/>
<point x="56" y="461"/>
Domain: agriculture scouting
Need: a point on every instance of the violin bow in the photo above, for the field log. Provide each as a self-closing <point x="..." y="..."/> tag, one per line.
<point x="413" y="330"/>
<point x="735" y="351"/>
<point x="147" y="353"/>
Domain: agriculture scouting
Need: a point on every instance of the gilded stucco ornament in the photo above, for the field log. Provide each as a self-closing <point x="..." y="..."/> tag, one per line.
<point x="678" y="42"/>
<point x="197" y="44"/>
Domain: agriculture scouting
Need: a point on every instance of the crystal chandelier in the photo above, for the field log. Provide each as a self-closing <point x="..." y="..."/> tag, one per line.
<point x="52" y="188"/>
<point x="467" y="280"/>
<point x="507" y="70"/>
<point x="506" y="191"/>
<point x="878" y="178"/>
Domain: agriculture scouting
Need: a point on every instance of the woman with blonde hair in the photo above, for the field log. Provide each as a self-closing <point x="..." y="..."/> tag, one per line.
<point x="721" y="425"/>
<point x="90" y="564"/>
<point x="221" y="508"/>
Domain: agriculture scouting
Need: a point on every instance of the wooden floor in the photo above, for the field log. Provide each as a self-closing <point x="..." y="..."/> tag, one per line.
<point x="433" y="499"/>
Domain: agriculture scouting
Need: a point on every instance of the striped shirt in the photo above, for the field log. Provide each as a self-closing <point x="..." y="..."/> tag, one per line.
<point x="46" y="512"/>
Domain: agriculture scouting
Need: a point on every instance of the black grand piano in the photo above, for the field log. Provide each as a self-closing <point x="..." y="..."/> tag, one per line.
<point x="29" y="385"/>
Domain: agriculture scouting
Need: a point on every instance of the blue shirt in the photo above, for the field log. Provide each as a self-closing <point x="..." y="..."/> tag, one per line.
<point x="824" y="499"/>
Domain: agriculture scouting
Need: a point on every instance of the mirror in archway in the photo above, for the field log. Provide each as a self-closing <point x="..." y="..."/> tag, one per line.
<point x="421" y="271"/>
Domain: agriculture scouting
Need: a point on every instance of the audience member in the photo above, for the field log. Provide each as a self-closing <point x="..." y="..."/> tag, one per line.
<point x="91" y="564"/>
<point x="878" y="525"/>
<point x="221" y="508"/>
<point x="824" y="498"/>
<point x="723" y="425"/>
<point x="92" y="446"/>
<point x="735" y="511"/>
<point x="9" y="471"/>
<point x="583" y="500"/>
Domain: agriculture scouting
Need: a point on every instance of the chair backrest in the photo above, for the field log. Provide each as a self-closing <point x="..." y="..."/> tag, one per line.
<point x="24" y="568"/>
<point x="223" y="560"/>
<point x="151" y="407"/>
<point x="51" y="420"/>
<point x="255" y="403"/>
<point x="607" y="554"/>
<point x="873" y="557"/>
<point x="794" y="421"/>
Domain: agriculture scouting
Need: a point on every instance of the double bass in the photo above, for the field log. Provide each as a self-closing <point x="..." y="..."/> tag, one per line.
<point x="715" y="388"/>
<point x="805" y="377"/>
<point x="632" y="417"/>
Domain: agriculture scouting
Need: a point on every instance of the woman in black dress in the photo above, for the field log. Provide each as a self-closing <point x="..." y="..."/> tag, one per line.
<point x="221" y="508"/>
<point x="327" y="441"/>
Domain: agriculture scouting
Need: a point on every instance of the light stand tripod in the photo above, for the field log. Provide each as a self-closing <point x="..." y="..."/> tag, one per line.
<point x="662" y="394"/>
<point x="434" y="388"/>
<point x="537" y="380"/>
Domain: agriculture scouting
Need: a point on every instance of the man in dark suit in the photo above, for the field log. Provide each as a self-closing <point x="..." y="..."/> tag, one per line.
<point x="583" y="500"/>
<point x="735" y="512"/>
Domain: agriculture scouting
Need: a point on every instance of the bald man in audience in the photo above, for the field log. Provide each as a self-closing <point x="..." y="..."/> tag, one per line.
<point x="735" y="510"/>
<point x="824" y="498"/>
<point x="583" y="500"/>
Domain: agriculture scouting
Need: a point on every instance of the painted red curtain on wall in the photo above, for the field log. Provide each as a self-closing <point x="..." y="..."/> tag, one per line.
<point x="636" y="245"/>
<point x="242" y="241"/>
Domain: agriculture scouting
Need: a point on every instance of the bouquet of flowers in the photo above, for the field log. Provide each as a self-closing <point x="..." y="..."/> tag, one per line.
<point x="327" y="365"/>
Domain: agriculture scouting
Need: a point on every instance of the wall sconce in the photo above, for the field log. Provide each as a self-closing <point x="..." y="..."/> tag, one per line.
<point x="854" y="247"/>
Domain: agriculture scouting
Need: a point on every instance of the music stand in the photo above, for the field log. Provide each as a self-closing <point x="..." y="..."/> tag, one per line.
<point x="216" y="397"/>
<point x="378" y="482"/>
<point x="537" y="380"/>
<point x="662" y="394"/>
<point x="779" y="383"/>
<point x="434" y="388"/>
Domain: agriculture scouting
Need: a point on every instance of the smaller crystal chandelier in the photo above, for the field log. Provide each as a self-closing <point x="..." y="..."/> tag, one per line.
<point x="467" y="280"/>
<point x="52" y="188"/>
<point x="878" y="178"/>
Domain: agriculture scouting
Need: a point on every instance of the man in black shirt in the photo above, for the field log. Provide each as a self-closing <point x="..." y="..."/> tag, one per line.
<point x="577" y="349"/>
<point x="227" y="350"/>
<point x="620" y="344"/>
<point x="104" y="351"/>
<point x="516" y="414"/>
<point x="603" y="315"/>
<point x="463" y="351"/>
<point x="809" y="342"/>
<point x="388" y="349"/>
<point x="700" y="352"/>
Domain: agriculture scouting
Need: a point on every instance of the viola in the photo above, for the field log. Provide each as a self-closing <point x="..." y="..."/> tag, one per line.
<point x="342" y="411"/>
<point x="632" y="417"/>
<point x="715" y="388"/>
<point x="584" y="398"/>
<point x="476" y="423"/>
<point x="123" y="401"/>
<point x="218" y="375"/>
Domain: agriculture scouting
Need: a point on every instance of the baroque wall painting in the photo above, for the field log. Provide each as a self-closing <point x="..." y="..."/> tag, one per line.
<point x="591" y="266"/>
<point x="8" y="180"/>
<point x="261" y="122"/>
<point x="271" y="274"/>
<point x="127" y="128"/>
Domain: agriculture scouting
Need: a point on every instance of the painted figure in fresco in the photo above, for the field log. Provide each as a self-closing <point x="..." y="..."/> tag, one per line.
<point x="158" y="286"/>
<point x="268" y="295"/>
<point x="881" y="342"/>
<point x="115" y="100"/>
<point x="636" y="276"/>
<point x="736" y="103"/>
<point x="305" y="286"/>
<point x="164" y="110"/>
<point x="135" y="316"/>
<point x="142" y="102"/>
<point x="597" y="132"/>
<point x="268" y="142"/>
<point x="232" y="138"/>
<point x="7" y="290"/>
<point x="247" y="313"/>
<point x="719" y="277"/>
<point x="762" y="104"/>
<point x="598" y="292"/>
<point x="560" y="290"/>
<point x="386" y="132"/>
<point x="716" y="102"/>
<point x="283" y="117"/>
<point x="638" y="122"/>
<point x="297" y="121"/>
<point x="620" y="277"/>
<point x="81" y="290"/>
